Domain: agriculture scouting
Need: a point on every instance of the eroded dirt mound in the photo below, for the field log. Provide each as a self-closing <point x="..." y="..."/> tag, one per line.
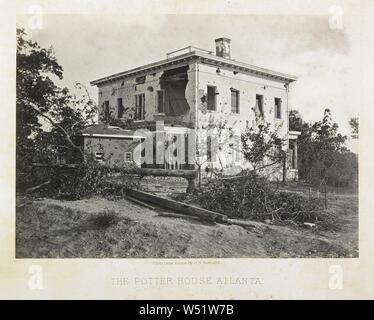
<point x="98" y="228"/>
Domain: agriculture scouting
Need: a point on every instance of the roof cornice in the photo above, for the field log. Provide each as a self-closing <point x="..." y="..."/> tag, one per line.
<point x="201" y="57"/>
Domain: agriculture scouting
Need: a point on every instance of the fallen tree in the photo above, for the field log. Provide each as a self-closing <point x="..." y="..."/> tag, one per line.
<point x="99" y="177"/>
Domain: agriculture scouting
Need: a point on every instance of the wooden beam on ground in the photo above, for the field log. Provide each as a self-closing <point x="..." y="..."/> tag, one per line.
<point x="55" y="165"/>
<point x="167" y="173"/>
<point x="141" y="203"/>
<point x="177" y="206"/>
<point x="141" y="171"/>
<point x="233" y="178"/>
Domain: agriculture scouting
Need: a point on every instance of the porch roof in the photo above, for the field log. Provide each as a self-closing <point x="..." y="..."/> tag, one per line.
<point x="103" y="130"/>
<point x="293" y="135"/>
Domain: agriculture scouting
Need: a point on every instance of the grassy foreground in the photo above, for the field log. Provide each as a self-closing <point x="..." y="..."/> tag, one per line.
<point x="101" y="228"/>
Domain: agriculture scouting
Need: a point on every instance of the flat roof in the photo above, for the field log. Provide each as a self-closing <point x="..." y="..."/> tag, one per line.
<point x="201" y="56"/>
<point x="103" y="130"/>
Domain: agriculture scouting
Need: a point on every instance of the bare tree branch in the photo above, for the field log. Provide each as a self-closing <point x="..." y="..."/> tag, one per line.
<point x="67" y="136"/>
<point x="38" y="186"/>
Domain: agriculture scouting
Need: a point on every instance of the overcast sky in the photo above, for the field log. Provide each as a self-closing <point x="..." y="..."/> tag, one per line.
<point x="91" y="46"/>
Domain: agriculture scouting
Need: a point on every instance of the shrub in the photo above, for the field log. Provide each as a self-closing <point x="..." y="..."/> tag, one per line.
<point x="345" y="172"/>
<point x="88" y="179"/>
<point x="103" y="220"/>
<point x="254" y="197"/>
<point x="294" y="206"/>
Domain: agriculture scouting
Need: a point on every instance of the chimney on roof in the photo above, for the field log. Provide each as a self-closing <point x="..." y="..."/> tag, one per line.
<point x="223" y="47"/>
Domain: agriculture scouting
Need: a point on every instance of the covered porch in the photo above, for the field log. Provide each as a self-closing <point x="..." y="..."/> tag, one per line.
<point x="293" y="172"/>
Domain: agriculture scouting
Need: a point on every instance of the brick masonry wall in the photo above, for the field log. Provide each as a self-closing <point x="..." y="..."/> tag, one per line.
<point x="113" y="149"/>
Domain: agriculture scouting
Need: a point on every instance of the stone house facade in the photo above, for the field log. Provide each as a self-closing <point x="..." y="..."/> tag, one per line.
<point x="193" y="97"/>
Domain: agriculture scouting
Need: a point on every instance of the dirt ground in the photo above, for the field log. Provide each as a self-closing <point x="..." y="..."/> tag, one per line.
<point x="101" y="228"/>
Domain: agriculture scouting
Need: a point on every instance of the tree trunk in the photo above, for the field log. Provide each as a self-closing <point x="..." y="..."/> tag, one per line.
<point x="199" y="176"/>
<point x="284" y="171"/>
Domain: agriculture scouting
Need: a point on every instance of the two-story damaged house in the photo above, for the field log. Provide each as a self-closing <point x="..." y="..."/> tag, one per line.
<point x="177" y="109"/>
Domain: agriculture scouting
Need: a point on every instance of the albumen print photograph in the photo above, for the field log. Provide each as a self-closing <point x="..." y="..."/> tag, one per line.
<point x="186" y="136"/>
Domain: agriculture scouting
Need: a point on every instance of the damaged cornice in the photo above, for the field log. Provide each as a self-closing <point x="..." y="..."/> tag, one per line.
<point x="199" y="57"/>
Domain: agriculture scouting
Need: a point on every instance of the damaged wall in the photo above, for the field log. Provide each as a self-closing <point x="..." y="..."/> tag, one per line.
<point x="178" y="85"/>
<point x="185" y="86"/>
<point x="173" y="83"/>
<point x="248" y="86"/>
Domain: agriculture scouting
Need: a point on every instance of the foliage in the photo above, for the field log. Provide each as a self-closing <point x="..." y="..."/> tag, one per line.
<point x="295" y="120"/>
<point x="108" y="117"/>
<point x="34" y="87"/>
<point x="48" y="117"/>
<point x="353" y="122"/>
<point x="103" y="220"/>
<point x="256" y="198"/>
<point x="344" y="172"/>
<point x="327" y="141"/>
<point x="261" y="142"/>
<point x="322" y="147"/>
<point x="221" y="134"/>
<point x="88" y="179"/>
